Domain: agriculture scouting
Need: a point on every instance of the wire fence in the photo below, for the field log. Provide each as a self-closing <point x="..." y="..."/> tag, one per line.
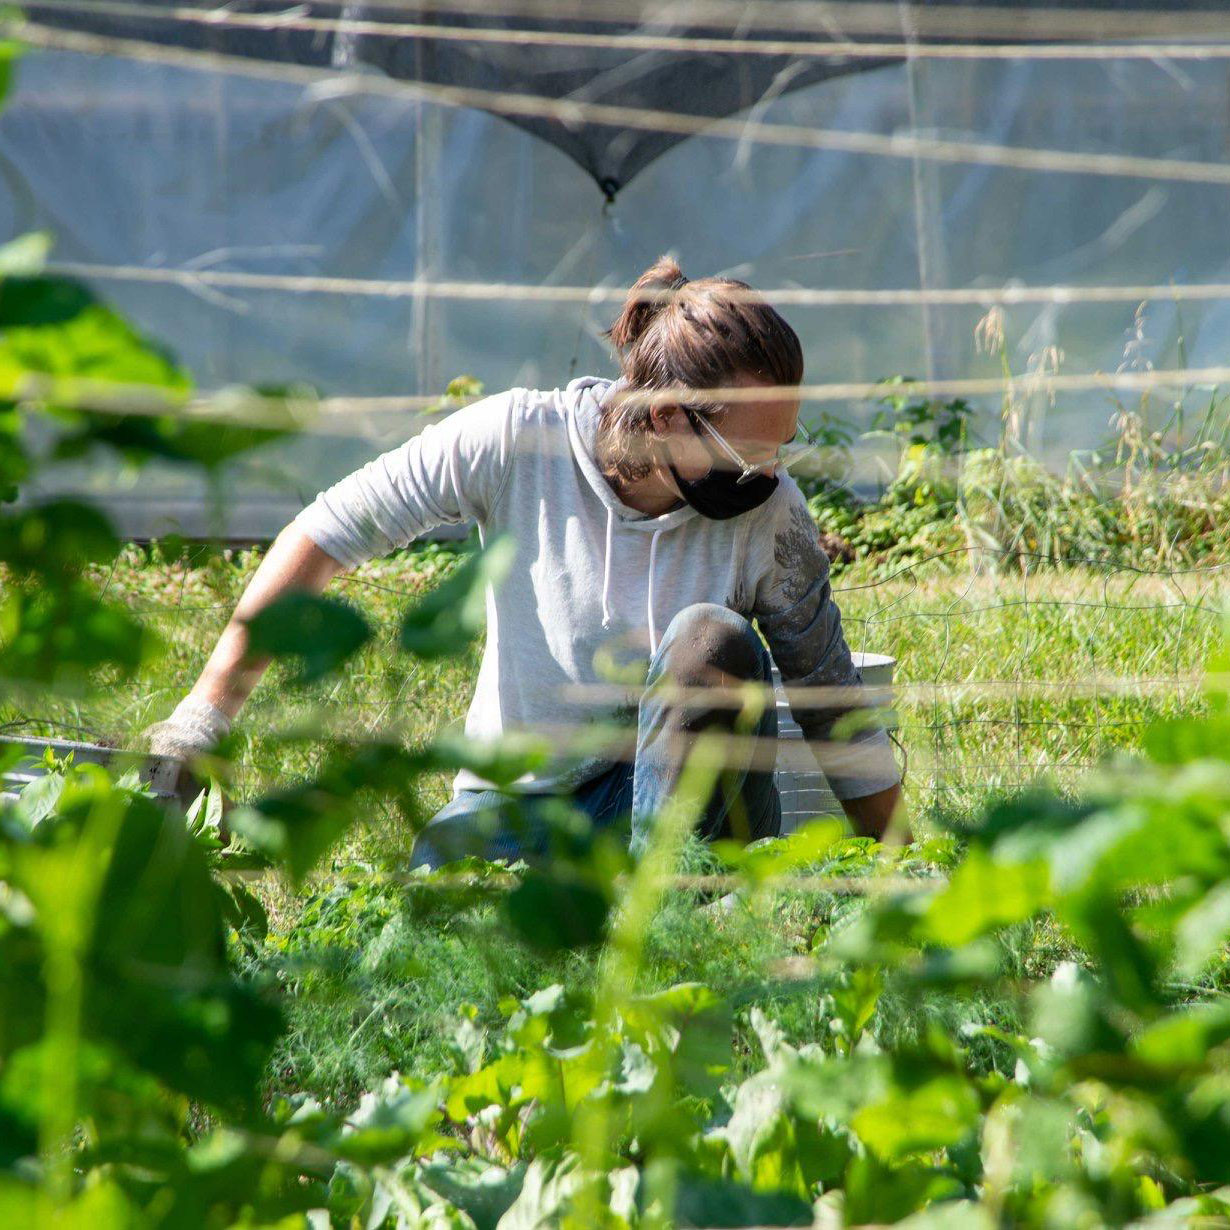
<point x="1004" y="676"/>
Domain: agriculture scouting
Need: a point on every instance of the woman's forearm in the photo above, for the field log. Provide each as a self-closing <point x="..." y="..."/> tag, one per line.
<point x="872" y="814"/>
<point x="294" y="562"/>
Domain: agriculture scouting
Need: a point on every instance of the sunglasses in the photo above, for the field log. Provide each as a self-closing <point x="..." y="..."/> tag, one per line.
<point x="785" y="455"/>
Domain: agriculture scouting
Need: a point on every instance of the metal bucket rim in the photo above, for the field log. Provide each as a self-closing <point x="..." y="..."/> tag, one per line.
<point x="864" y="660"/>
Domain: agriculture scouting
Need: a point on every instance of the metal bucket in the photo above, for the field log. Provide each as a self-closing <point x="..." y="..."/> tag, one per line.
<point x="804" y="791"/>
<point x="167" y="778"/>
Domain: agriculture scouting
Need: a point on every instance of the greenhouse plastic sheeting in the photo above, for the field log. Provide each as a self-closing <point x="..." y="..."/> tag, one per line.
<point x="147" y="166"/>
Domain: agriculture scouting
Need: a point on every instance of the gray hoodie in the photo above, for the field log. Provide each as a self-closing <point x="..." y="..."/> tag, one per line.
<point x="591" y="574"/>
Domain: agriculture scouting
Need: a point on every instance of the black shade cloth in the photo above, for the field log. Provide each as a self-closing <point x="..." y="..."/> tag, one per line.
<point x="710" y="84"/>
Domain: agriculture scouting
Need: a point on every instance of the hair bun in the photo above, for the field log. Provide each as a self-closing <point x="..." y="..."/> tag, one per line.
<point x="650" y="293"/>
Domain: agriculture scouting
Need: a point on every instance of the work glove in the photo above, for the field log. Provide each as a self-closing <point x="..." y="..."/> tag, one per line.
<point x="194" y="729"/>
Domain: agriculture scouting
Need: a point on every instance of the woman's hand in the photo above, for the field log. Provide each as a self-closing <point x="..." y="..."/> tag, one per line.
<point x="194" y="729"/>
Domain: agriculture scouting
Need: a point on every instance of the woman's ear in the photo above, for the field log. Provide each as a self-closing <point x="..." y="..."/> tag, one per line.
<point x="661" y="419"/>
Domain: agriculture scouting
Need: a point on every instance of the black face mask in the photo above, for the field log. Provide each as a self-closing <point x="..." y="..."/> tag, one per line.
<point x="719" y="494"/>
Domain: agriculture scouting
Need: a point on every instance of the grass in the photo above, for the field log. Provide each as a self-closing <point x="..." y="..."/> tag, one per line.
<point x="379" y="979"/>
<point x="1002" y="677"/>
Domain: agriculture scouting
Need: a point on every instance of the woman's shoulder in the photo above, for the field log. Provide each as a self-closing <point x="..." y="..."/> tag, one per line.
<point x="543" y="412"/>
<point x="784" y="536"/>
<point x="541" y="405"/>
<point x="785" y="506"/>
<point x="512" y="407"/>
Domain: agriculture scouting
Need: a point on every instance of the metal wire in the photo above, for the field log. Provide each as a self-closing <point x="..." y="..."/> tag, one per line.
<point x="495" y="292"/>
<point x="254" y="409"/>
<point x="835" y="48"/>
<point x="643" y="119"/>
<point x="871" y="17"/>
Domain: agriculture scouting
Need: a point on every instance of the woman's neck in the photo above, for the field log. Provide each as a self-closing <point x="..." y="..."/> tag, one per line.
<point x="653" y="495"/>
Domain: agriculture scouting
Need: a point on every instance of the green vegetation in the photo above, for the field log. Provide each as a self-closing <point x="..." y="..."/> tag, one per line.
<point x="1023" y="1029"/>
<point x="1021" y="1019"/>
<point x="375" y="980"/>
<point x="1153" y="498"/>
<point x="1002" y="675"/>
<point x="858" y="1055"/>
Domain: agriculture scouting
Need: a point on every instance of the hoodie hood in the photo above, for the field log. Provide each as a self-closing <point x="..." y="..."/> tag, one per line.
<point x="583" y="401"/>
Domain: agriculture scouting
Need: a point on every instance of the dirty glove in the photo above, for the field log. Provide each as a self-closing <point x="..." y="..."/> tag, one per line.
<point x="194" y="729"/>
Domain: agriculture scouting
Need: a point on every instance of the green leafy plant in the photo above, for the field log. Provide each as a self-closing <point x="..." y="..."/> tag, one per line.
<point x="921" y="421"/>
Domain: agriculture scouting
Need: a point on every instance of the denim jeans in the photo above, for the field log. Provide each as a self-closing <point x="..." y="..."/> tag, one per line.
<point x="705" y="644"/>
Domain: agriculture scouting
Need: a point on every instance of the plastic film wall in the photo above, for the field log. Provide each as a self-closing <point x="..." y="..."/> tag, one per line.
<point x="144" y="165"/>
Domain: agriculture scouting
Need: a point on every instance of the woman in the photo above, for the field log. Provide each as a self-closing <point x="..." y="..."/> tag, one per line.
<point x="661" y="522"/>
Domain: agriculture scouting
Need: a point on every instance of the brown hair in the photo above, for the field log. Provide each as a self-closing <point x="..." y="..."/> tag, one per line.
<point x="699" y="335"/>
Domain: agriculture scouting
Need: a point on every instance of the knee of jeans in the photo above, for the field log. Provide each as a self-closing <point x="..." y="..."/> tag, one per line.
<point x="463" y="827"/>
<point x="705" y="639"/>
<point x="443" y="840"/>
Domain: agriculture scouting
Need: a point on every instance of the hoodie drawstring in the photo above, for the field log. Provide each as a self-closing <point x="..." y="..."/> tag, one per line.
<point x="653" y="632"/>
<point x="606" y="581"/>
<point x="606" y="571"/>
